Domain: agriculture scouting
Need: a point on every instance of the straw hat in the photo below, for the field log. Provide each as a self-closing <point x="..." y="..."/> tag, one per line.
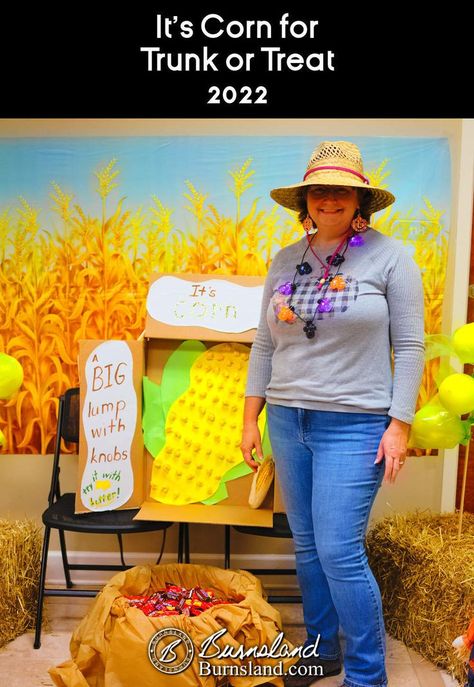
<point x="333" y="163"/>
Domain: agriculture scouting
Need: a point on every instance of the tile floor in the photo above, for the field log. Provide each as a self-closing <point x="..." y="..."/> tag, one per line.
<point x="22" y="666"/>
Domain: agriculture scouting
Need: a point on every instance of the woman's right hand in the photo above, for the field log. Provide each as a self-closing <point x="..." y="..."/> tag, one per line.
<point x="251" y="441"/>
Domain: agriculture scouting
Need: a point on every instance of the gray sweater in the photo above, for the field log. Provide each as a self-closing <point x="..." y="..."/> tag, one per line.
<point x="347" y="366"/>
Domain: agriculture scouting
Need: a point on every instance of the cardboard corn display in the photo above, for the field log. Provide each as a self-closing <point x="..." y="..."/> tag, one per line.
<point x="203" y="428"/>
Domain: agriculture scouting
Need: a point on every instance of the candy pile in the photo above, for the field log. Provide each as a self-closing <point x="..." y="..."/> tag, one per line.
<point x="176" y="600"/>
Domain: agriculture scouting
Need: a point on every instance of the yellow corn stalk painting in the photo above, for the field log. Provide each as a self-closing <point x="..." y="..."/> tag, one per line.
<point x="87" y="277"/>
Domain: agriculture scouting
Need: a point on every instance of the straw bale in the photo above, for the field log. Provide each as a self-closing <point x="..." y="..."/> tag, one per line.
<point x="426" y="578"/>
<point x="20" y="555"/>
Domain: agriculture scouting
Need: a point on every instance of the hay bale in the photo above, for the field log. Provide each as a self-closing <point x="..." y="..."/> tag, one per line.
<point x="20" y="556"/>
<point x="426" y="578"/>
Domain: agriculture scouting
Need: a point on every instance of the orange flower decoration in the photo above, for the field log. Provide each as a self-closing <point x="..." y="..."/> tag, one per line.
<point x="286" y="315"/>
<point x="338" y="283"/>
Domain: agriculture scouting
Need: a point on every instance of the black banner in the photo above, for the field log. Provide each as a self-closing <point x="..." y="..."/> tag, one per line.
<point x="309" y="60"/>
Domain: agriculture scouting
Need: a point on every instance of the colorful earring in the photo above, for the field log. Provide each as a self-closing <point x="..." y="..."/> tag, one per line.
<point x="307" y="223"/>
<point x="359" y="224"/>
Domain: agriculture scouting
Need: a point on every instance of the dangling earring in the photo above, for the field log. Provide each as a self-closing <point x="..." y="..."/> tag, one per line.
<point x="359" y="224"/>
<point x="308" y="223"/>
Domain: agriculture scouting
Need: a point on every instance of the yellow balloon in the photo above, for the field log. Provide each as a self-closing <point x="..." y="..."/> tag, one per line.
<point x="3" y="441"/>
<point x="463" y="343"/>
<point x="11" y="376"/>
<point x="436" y="427"/>
<point x="456" y="393"/>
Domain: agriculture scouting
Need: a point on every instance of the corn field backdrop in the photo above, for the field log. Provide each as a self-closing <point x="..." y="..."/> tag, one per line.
<point x="88" y="277"/>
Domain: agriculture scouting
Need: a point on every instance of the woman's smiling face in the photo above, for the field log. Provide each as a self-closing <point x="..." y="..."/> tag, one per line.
<point x="332" y="207"/>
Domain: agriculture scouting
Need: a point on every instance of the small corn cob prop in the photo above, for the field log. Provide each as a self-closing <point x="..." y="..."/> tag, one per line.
<point x="261" y="482"/>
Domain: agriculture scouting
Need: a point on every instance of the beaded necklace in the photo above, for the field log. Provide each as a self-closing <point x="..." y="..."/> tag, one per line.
<point x="336" y="282"/>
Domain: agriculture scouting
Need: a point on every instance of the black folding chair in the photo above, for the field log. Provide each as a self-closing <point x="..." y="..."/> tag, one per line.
<point x="60" y="515"/>
<point x="280" y="529"/>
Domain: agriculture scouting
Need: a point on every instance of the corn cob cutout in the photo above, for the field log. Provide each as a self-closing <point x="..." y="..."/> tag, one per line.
<point x="203" y="428"/>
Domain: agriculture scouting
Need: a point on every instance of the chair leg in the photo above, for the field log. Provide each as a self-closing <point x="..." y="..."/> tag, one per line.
<point x="163" y="541"/>
<point x="227" y="546"/>
<point x="62" y="543"/>
<point x="180" y="542"/>
<point x="41" y="583"/>
<point x="183" y="542"/>
<point x="119" y="537"/>
<point x="186" y="543"/>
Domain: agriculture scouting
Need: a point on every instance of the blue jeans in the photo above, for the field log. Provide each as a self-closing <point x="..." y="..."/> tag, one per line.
<point x="325" y="466"/>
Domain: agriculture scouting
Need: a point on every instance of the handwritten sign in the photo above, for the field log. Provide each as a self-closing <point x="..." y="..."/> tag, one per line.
<point x="110" y="443"/>
<point x="229" y="305"/>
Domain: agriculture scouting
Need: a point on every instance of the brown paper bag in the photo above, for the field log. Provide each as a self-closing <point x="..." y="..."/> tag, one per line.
<point x="109" y="647"/>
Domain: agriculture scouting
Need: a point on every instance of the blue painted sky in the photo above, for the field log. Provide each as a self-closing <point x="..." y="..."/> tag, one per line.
<point x="160" y="165"/>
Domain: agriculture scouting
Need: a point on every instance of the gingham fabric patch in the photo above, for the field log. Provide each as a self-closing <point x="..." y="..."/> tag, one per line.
<point x="305" y="299"/>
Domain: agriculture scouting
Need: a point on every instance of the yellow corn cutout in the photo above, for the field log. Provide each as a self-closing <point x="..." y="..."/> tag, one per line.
<point x="203" y="428"/>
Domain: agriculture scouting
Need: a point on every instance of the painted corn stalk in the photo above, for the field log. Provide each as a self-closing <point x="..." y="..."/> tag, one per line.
<point x="87" y="276"/>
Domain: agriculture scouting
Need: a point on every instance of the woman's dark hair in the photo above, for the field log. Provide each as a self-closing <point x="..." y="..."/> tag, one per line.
<point x="362" y="193"/>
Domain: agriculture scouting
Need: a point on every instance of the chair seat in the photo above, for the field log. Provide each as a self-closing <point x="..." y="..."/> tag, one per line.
<point x="61" y="516"/>
<point x="280" y="528"/>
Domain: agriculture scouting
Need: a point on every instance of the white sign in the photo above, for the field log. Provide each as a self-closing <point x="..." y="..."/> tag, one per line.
<point x="109" y="417"/>
<point x="215" y="304"/>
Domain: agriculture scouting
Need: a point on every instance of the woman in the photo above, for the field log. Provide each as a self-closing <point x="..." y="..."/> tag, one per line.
<point x="334" y="303"/>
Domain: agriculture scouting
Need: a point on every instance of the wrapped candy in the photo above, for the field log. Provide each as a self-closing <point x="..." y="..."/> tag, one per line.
<point x="175" y="600"/>
<point x="464" y="647"/>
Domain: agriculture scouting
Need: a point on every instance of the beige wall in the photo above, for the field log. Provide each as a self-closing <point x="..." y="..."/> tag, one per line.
<point x="450" y="128"/>
<point x="426" y="483"/>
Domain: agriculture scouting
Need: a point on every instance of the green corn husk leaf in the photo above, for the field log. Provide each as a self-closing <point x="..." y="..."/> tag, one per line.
<point x="177" y="371"/>
<point x="153" y="420"/>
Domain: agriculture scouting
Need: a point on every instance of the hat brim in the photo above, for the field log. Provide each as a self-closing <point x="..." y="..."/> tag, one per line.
<point x="292" y="197"/>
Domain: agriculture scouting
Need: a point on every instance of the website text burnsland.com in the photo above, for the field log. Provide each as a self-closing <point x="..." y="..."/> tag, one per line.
<point x="277" y="650"/>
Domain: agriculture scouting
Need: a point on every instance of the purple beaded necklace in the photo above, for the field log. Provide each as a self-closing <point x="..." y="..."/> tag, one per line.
<point x="287" y="311"/>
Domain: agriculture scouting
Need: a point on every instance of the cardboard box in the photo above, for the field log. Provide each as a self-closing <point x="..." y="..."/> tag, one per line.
<point x="224" y="301"/>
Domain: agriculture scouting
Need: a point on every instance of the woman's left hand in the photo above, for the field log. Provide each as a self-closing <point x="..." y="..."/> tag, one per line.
<point x="393" y="446"/>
